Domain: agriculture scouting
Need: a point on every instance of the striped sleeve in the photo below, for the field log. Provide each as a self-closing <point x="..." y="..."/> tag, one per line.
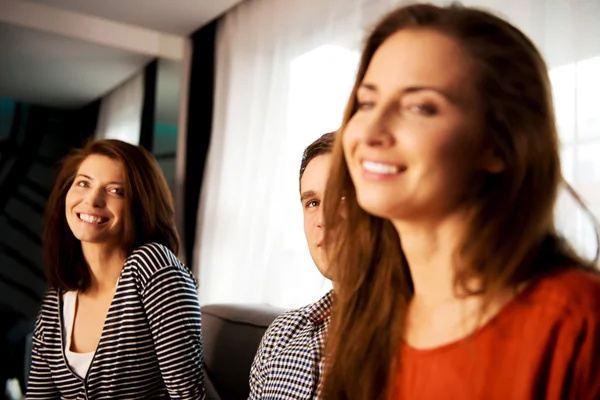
<point x="40" y="384"/>
<point x="171" y="304"/>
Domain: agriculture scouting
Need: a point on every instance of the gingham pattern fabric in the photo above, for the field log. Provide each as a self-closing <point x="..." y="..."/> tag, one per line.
<point x="289" y="361"/>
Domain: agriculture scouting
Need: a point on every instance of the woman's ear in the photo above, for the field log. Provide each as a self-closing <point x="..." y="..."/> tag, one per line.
<point x="493" y="162"/>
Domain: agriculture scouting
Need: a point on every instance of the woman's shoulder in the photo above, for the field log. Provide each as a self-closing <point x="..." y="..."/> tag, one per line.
<point x="48" y="317"/>
<point x="51" y="302"/>
<point x="150" y="258"/>
<point x="574" y="290"/>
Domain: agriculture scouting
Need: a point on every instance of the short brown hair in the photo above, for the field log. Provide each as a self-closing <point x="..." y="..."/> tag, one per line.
<point x="148" y="215"/>
<point x="323" y="145"/>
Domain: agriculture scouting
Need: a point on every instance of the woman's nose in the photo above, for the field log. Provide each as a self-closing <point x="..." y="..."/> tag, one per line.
<point x="377" y="129"/>
<point x="95" y="198"/>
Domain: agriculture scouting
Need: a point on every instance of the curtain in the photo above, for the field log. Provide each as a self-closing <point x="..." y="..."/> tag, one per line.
<point x="120" y="115"/>
<point x="284" y="70"/>
<point x="196" y="138"/>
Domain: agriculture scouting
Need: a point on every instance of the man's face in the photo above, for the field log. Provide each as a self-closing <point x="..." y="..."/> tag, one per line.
<point x="312" y="194"/>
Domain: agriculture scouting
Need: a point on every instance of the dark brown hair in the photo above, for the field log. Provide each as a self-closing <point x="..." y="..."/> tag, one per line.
<point x="511" y="236"/>
<point x="323" y="145"/>
<point x="148" y="215"/>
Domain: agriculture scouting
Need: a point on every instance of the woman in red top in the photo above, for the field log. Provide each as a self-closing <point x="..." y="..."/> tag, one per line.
<point x="453" y="282"/>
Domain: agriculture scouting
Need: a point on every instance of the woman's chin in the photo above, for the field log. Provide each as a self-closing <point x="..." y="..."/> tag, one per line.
<point x="382" y="207"/>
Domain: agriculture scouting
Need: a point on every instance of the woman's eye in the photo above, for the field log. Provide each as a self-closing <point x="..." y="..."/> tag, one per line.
<point x="118" y="191"/>
<point x="82" y="184"/>
<point x="424" y="109"/>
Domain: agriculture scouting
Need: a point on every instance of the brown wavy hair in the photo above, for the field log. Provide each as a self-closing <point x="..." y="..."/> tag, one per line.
<point x="511" y="235"/>
<point x="148" y="215"/>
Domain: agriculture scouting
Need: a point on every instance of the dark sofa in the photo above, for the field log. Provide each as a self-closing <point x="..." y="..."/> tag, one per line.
<point x="232" y="334"/>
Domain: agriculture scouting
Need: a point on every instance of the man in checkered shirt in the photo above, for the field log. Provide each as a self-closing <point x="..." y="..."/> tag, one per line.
<point x="289" y="362"/>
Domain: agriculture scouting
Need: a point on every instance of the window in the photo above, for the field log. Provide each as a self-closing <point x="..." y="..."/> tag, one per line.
<point x="576" y="90"/>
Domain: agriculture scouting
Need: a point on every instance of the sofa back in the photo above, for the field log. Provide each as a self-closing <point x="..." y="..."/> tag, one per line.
<point x="231" y="335"/>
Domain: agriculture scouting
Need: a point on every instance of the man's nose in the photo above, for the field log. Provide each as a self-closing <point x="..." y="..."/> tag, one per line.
<point x="320" y="217"/>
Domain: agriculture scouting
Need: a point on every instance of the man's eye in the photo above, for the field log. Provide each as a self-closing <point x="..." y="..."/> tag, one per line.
<point x="312" y="204"/>
<point x="365" y="105"/>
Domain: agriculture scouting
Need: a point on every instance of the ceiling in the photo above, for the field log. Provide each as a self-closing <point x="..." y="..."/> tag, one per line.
<point x="53" y="70"/>
<point x="50" y="69"/>
<point x="180" y="17"/>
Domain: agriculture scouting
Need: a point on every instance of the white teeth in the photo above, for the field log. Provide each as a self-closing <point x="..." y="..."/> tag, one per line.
<point x="91" y="219"/>
<point x="379" y="168"/>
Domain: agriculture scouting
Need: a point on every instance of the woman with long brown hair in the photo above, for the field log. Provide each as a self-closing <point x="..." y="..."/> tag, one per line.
<point x="121" y="318"/>
<point x="452" y="281"/>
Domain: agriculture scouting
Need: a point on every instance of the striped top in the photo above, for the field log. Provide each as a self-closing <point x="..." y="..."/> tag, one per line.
<point x="151" y="344"/>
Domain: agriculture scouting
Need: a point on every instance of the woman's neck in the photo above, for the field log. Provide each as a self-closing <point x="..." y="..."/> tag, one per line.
<point x="440" y="312"/>
<point x="105" y="264"/>
<point x="430" y="250"/>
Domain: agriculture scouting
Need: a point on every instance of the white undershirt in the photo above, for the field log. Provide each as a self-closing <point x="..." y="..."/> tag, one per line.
<point x="79" y="362"/>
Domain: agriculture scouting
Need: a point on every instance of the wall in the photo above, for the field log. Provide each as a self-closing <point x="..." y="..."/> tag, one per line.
<point x="32" y="140"/>
<point x="165" y="150"/>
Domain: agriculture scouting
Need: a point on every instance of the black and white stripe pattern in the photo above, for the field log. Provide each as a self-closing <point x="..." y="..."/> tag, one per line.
<point x="151" y="345"/>
<point x="289" y="361"/>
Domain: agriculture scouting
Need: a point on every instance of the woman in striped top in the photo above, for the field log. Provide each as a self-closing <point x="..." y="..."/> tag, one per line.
<point x="121" y="318"/>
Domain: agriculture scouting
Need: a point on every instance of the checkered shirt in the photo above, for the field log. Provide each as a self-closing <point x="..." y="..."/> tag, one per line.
<point x="289" y="361"/>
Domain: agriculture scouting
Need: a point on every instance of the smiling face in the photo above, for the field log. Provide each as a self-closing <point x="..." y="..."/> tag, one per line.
<point x="415" y="143"/>
<point x="95" y="202"/>
<point x="312" y="194"/>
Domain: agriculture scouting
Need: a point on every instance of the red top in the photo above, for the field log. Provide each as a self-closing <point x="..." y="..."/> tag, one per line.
<point x="545" y="344"/>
